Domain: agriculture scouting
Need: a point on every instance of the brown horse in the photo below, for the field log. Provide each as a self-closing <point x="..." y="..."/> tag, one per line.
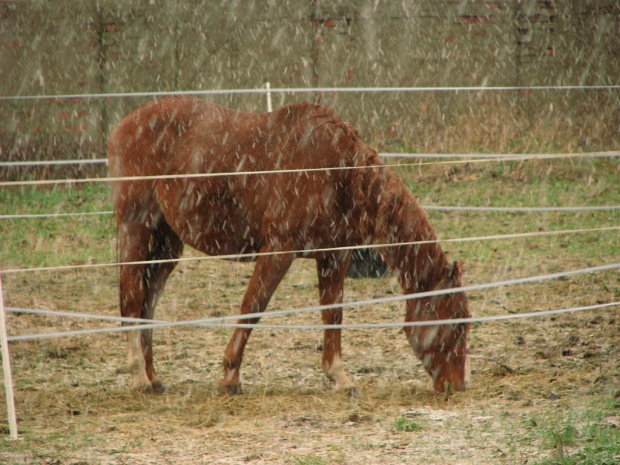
<point x="341" y="195"/>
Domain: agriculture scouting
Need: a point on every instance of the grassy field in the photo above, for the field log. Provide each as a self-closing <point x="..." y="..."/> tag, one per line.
<point x="544" y="390"/>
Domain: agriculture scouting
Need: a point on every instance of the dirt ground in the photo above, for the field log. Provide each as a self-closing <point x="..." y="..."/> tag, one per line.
<point x="74" y="406"/>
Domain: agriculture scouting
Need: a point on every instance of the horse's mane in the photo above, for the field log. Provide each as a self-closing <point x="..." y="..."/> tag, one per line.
<point x="385" y="208"/>
<point x="391" y="214"/>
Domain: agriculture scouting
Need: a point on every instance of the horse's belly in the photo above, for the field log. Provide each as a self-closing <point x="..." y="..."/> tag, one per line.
<point x="215" y="237"/>
<point x="213" y="224"/>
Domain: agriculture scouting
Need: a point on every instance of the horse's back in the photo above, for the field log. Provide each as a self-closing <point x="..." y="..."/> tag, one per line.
<point x="153" y="131"/>
<point x="181" y="134"/>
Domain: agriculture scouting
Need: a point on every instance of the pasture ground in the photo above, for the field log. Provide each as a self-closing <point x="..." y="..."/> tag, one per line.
<point x="544" y="390"/>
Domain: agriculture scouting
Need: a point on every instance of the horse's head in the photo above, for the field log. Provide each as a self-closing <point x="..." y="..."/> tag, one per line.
<point x="442" y="348"/>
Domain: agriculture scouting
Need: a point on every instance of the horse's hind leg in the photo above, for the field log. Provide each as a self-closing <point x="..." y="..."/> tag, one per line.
<point x="332" y="271"/>
<point x="133" y="239"/>
<point x="140" y="287"/>
<point x="165" y="245"/>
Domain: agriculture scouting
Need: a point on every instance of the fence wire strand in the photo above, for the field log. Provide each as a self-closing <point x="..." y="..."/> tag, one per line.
<point x="306" y="90"/>
<point x="282" y="326"/>
<point x="220" y="321"/>
<point x="70" y="181"/>
<point x="441" y="208"/>
<point x="302" y="252"/>
<point x="487" y="156"/>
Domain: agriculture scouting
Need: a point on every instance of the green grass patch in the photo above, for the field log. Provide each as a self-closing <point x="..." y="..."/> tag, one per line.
<point x="588" y="438"/>
<point x="51" y="241"/>
<point x="406" y="425"/>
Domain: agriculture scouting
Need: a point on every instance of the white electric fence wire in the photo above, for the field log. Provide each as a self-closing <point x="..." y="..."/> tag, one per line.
<point x="221" y="321"/>
<point x="486" y="156"/>
<point x="64" y="181"/>
<point x="306" y="90"/>
<point x="42" y="182"/>
<point x="446" y="208"/>
<point x="34" y="164"/>
<point x="577" y="208"/>
<point x="282" y="326"/>
<point x="499" y="156"/>
<point x="86" y="316"/>
<point x="27" y="216"/>
<point x="302" y="252"/>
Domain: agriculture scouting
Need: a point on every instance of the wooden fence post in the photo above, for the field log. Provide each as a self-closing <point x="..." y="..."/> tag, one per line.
<point x="6" y="365"/>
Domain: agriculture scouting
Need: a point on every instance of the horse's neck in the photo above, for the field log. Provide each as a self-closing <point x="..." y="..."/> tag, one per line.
<point x="422" y="266"/>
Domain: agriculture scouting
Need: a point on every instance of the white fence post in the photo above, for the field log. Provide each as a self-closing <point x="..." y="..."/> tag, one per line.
<point x="269" y="107"/>
<point x="6" y="365"/>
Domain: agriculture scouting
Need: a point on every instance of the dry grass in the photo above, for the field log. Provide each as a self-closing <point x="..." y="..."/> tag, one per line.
<point x="528" y="375"/>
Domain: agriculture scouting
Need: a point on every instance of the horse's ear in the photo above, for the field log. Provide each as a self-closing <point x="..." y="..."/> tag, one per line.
<point x="456" y="272"/>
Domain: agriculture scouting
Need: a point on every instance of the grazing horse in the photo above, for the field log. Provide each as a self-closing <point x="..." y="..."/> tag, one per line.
<point x="332" y="191"/>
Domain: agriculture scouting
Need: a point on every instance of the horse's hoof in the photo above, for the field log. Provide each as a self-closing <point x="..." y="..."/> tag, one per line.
<point x="155" y="387"/>
<point x="230" y="389"/>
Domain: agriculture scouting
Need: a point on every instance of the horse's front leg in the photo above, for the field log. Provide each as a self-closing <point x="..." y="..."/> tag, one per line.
<point x="332" y="271"/>
<point x="268" y="272"/>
